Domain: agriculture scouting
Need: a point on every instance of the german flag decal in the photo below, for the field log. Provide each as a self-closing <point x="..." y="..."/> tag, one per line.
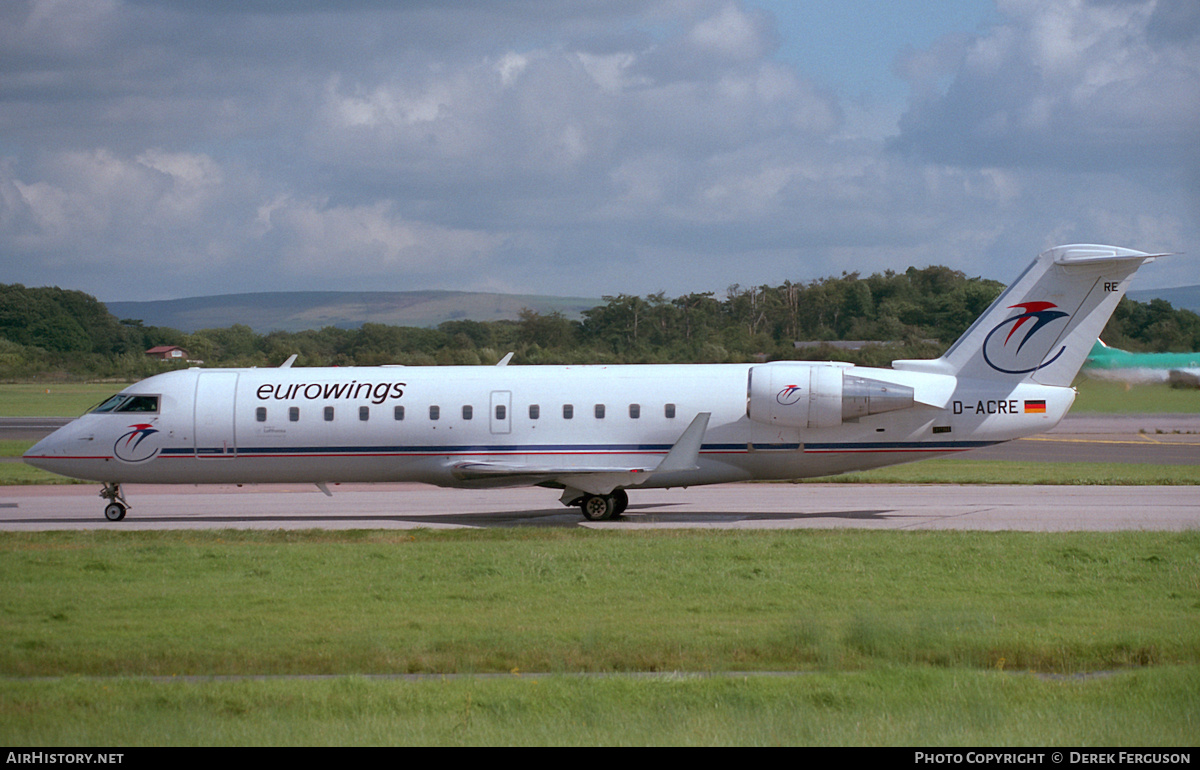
<point x="1035" y="407"/>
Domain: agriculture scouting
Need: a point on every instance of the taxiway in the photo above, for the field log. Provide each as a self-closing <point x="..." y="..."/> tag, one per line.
<point x="1163" y="439"/>
<point x="735" y="506"/>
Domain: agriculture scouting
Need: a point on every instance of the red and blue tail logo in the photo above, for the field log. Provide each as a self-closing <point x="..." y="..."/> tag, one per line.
<point x="1007" y="353"/>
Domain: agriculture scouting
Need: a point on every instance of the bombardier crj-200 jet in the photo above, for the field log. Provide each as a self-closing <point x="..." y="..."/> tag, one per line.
<point x="597" y="432"/>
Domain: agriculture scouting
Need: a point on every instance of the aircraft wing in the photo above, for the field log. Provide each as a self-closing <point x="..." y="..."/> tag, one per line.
<point x="596" y="480"/>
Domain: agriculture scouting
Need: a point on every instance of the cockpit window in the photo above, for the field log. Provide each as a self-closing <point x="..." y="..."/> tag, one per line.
<point x="128" y="402"/>
<point x="111" y="403"/>
<point x="140" y="404"/>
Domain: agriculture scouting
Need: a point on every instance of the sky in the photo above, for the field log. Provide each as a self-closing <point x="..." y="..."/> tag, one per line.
<point x="175" y="148"/>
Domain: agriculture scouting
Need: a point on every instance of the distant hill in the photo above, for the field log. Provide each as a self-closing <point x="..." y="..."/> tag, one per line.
<point x="300" y="310"/>
<point x="1183" y="297"/>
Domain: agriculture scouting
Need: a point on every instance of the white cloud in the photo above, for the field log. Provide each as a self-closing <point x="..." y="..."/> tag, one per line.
<point x="369" y="240"/>
<point x="571" y="147"/>
<point x="731" y="33"/>
<point x="89" y="195"/>
<point x="612" y="72"/>
<point x="1064" y="83"/>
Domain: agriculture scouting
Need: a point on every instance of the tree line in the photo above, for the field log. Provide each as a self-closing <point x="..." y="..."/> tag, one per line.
<point x="58" y="333"/>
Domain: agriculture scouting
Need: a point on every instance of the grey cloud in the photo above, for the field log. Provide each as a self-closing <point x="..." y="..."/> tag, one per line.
<point x="1061" y="85"/>
<point x="171" y="148"/>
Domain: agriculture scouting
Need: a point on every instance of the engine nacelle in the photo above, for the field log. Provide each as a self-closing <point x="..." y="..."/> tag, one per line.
<point x="818" y="395"/>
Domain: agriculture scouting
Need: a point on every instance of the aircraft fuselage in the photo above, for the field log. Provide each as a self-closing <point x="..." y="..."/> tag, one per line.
<point x="418" y="423"/>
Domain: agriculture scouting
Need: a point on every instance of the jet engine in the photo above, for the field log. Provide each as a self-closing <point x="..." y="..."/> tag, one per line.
<point x="818" y="395"/>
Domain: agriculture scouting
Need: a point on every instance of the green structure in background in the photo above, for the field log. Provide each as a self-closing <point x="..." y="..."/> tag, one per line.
<point x="1182" y="370"/>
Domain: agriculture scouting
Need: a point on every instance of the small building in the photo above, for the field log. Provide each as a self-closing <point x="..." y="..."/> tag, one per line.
<point x="168" y="353"/>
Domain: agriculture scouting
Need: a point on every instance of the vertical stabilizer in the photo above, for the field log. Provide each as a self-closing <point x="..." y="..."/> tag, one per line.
<point x="1043" y="326"/>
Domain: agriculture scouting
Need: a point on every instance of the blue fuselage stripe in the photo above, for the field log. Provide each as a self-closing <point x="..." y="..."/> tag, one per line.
<point x="525" y="449"/>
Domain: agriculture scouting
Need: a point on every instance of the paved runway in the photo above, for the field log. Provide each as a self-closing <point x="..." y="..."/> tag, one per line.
<point x="734" y="506"/>
<point x="1166" y="439"/>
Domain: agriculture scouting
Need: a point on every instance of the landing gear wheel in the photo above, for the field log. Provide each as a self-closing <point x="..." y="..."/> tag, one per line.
<point x="115" y="510"/>
<point x="598" y="507"/>
<point x="620" y="502"/>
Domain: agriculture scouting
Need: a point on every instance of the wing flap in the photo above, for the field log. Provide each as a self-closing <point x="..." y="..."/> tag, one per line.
<point x="596" y="480"/>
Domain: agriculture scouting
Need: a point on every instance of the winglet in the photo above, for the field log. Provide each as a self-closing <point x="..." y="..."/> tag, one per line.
<point x="504" y="361"/>
<point x="684" y="456"/>
<point x="291" y="360"/>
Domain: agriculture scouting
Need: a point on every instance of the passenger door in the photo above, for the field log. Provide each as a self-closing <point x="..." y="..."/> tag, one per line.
<point x="215" y="407"/>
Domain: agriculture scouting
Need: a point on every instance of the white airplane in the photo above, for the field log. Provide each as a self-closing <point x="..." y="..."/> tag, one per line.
<point x="597" y="431"/>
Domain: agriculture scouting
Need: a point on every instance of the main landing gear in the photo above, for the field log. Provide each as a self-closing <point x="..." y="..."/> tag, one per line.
<point x="604" y="507"/>
<point x="115" y="510"/>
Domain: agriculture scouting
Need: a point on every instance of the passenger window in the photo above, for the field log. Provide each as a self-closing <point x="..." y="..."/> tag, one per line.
<point x="329" y="414"/>
<point x="294" y="414"/>
<point x="501" y="412"/>
<point x="535" y="411"/>
<point x="568" y="411"/>
<point x="398" y="413"/>
<point x="364" y="413"/>
<point x="669" y="411"/>
<point x="435" y="412"/>
<point x="260" y="414"/>
<point x="468" y="412"/>
<point x="635" y="411"/>
<point x="599" y="411"/>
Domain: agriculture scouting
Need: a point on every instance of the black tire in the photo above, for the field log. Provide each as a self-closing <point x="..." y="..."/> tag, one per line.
<point x="598" y="507"/>
<point x="621" y="502"/>
<point x="114" y="511"/>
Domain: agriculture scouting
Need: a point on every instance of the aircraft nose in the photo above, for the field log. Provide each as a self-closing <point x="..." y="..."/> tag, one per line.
<point x="45" y="450"/>
<point x="36" y="455"/>
<point x="59" y="445"/>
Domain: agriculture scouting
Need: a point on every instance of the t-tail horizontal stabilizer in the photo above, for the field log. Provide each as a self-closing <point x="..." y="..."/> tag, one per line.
<point x="1042" y="327"/>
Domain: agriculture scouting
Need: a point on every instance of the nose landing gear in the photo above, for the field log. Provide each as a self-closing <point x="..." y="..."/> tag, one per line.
<point x="115" y="510"/>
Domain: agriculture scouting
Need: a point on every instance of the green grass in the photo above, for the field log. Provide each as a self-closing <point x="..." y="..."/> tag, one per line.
<point x="961" y="471"/>
<point x="68" y="399"/>
<point x="232" y="602"/>
<point x="886" y="707"/>
<point x="1100" y="397"/>
<point x="901" y="638"/>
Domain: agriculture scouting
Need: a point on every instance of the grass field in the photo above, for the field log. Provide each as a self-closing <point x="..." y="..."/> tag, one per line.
<point x="905" y="706"/>
<point x="968" y="471"/>
<point x="53" y="399"/>
<point x="902" y="637"/>
<point x="1099" y="397"/>
<point x="607" y="638"/>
